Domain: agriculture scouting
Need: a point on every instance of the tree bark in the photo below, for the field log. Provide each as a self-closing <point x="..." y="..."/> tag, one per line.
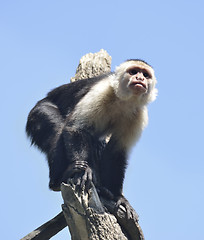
<point x="86" y="216"/>
<point x="92" y="218"/>
<point x="48" y="229"/>
<point x="93" y="65"/>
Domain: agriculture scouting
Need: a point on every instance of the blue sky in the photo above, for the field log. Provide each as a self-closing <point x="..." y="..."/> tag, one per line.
<point x="40" y="46"/>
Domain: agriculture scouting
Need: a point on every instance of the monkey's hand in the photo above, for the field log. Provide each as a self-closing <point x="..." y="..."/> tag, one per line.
<point x="81" y="175"/>
<point x="122" y="201"/>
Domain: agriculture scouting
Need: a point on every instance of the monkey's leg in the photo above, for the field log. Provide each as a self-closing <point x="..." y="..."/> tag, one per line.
<point x="112" y="171"/>
<point x="79" y="153"/>
<point x="112" y="168"/>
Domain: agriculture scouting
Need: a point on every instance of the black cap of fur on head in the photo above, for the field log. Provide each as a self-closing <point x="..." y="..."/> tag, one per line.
<point x="140" y="60"/>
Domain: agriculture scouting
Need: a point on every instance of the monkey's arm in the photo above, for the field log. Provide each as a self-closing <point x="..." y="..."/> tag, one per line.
<point x="80" y="150"/>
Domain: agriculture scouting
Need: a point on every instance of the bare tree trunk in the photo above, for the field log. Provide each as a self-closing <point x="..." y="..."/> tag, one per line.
<point x="88" y="216"/>
<point x="92" y="65"/>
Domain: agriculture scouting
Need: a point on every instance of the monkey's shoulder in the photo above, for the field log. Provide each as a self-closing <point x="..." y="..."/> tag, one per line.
<point x="68" y="95"/>
<point x="77" y="88"/>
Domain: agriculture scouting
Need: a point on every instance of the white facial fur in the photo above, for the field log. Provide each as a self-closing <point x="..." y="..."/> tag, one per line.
<point x="120" y="82"/>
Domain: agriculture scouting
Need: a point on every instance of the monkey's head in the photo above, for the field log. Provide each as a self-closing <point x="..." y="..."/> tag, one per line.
<point x="135" y="79"/>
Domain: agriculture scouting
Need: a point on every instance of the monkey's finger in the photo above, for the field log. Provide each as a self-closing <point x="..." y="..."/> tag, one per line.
<point x="134" y="215"/>
<point x="76" y="179"/>
<point x="119" y="202"/>
<point x="128" y="212"/>
<point x="89" y="178"/>
<point x="79" y="166"/>
<point x="81" y="163"/>
<point x="77" y="169"/>
<point x="83" y="180"/>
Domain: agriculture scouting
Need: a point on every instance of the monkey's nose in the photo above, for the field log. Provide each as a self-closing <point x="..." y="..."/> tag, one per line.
<point x="139" y="76"/>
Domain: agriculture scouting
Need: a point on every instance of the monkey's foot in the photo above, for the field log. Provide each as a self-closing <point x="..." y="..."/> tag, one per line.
<point x="86" y="179"/>
<point x="80" y="174"/>
<point x="122" y="201"/>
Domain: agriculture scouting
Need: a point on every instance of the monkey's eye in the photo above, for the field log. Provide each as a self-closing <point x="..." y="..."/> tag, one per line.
<point x="133" y="71"/>
<point x="146" y="75"/>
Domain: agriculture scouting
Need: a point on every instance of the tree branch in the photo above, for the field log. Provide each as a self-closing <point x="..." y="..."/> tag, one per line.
<point x="48" y="229"/>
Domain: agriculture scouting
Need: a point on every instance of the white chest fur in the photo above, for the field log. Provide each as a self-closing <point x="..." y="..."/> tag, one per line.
<point x="103" y="110"/>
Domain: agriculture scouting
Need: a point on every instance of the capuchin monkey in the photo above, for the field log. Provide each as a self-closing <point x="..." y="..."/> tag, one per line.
<point x="72" y="124"/>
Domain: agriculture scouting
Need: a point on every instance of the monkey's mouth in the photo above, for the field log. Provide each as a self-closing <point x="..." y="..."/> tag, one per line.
<point x="138" y="84"/>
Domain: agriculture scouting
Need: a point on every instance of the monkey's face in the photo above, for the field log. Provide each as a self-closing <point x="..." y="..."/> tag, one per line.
<point x="135" y="79"/>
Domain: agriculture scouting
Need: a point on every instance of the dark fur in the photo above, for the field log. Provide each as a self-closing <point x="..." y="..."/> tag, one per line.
<point x="50" y="129"/>
<point x="138" y="59"/>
